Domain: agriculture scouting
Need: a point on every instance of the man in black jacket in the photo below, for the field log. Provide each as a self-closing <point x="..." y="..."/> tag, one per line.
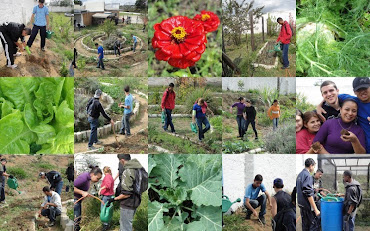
<point x="94" y="108"/>
<point x="306" y="202"/>
<point x="55" y="180"/>
<point x="10" y="33"/>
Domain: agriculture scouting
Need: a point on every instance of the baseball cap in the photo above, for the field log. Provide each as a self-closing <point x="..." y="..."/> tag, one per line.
<point x="98" y="93"/>
<point x="278" y="182"/>
<point x="360" y="82"/>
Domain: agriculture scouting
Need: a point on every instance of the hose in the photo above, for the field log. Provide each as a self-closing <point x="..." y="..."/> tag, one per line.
<point x="92" y="197"/>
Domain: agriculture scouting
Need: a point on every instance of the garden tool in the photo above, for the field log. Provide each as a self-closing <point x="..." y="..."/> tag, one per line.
<point x="13" y="183"/>
<point x="28" y="50"/>
<point x="276" y="48"/>
<point x="193" y="127"/>
<point x="329" y="197"/>
<point x="92" y="197"/>
<point x="115" y="136"/>
<point x="261" y="222"/>
<point x="163" y="117"/>
<point x="226" y="203"/>
<point x="287" y="72"/>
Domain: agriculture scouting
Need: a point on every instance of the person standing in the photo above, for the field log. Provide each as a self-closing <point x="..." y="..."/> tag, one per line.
<point x="167" y="105"/>
<point x="94" y="109"/>
<point x="55" y="180"/>
<point x="3" y="176"/>
<point x="250" y="116"/>
<point x="284" y="37"/>
<point x="106" y="189"/>
<point x="305" y="196"/>
<point x="70" y="172"/>
<point x="199" y="113"/>
<point x="52" y="206"/>
<point x="100" y="56"/>
<point x="40" y="19"/>
<point x="240" y="120"/>
<point x="134" y="40"/>
<point x="127" y="112"/>
<point x="117" y="48"/>
<point x="274" y="114"/>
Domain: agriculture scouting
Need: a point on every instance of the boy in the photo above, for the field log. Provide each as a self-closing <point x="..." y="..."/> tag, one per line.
<point x="284" y="37"/>
<point x="167" y="105"/>
<point x="3" y="176"/>
<point x="100" y="56"/>
<point x="134" y="39"/>
<point x="127" y="112"/>
<point x="40" y="19"/>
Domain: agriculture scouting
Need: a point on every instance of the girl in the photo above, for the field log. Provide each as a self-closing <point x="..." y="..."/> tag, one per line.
<point x="199" y="113"/>
<point x="250" y="116"/>
<point x="107" y="188"/>
<point x="274" y="114"/>
<point x="298" y="120"/>
<point x="305" y="136"/>
<point x="239" y="116"/>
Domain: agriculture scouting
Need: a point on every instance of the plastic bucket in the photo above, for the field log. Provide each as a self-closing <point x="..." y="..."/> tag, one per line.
<point x="331" y="214"/>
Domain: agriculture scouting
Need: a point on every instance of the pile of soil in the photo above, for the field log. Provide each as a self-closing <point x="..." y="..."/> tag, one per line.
<point x="266" y="57"/>
<point x="137" y="143"/>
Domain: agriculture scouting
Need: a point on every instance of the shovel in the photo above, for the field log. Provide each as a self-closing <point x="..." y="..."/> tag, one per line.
<point x="115" y="136"/>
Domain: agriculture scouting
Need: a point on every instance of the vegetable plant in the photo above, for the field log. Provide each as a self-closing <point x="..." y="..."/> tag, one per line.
<point x="185" y="192"/>
<point x="36" y="115"/>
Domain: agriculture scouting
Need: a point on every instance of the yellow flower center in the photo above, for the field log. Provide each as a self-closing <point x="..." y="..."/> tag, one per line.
<point x="178" y="33"/>
<point x="205" y="17"/>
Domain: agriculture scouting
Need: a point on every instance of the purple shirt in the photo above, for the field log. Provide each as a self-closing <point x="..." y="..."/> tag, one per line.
<point x="82" y="182"/>
<point x="329" y="136"/>
<point x="240" y="107"/>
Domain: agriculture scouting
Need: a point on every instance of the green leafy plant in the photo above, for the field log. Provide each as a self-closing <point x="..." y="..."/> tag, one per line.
<point x="17" y="172"/>
<point x="282" y="140"/>
<point x="185" y="192"/>
<point x="231" y="147"/>
<point x="36" y="112"/>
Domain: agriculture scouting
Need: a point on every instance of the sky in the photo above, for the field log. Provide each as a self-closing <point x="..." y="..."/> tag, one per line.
<point x="122" y="2"/>
<point x="275" y="5"/>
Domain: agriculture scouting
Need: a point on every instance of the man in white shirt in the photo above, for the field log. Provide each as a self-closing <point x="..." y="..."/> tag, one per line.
<point x="52" y="206"/>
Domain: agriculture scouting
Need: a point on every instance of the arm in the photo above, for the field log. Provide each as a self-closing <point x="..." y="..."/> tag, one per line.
<point x="115" y="178"/>
<point x="163" y="100"/>
<point x="47" y="22"/>
<point x="320" y="111"/>
<point x="245" y="115"/>
<point x="313" y="205"/>
<point x="102" y="111"/>
<point x="249" y="206"/>
<point x="210" y="111"/>
<point x="273" y="207"/>
<point x="193" y="115"/>
<point x="81" y="192"/>
<point x="268" y="197"/>
<point x="121" y="197"/>
<point x="308" y="192"/>
<point x="32" y="18"/>
<point x="269" y="114"/>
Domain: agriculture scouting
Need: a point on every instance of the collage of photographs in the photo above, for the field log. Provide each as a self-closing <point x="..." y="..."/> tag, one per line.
<point x="185" y="115"/>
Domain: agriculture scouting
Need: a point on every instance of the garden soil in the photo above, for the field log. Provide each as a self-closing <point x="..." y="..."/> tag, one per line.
<point x="136" y="143"/>
<point x="39" y="63"/>
<point x="254" y="223"/>
<point x="266" y="57"/>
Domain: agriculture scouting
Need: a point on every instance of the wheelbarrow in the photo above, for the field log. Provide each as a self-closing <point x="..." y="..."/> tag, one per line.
<point x="49" y="34"/>
<point x="226" y="203"/>
<point x="13" y="184"/>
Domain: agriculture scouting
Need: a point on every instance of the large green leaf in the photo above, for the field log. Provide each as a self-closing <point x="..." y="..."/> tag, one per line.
<point x="19" y="90"/>
<point x="166" y="169"/>
<point x="174" y="196"/>
<point x="6" y="107"/>
<point x="210" y="219"/>
<point x="155" y="216"/>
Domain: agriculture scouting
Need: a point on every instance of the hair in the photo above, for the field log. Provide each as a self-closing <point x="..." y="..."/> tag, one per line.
<point x="348" y="100"/>
<point x="240" y="98"/>
<point x="348" y="173"/>
<point x="327" y="83"/>
<point x="28" y="30"/>
<point x="308" y="115"/>
<point x="278" y="19"/>
<point x="96" y="44"/>
<point x="320" y="170"/>
<point x="248" y="101"/>
<point x="3" y="159"/>
<point x="275" y="100"/>
<point x="127" y="89"/>
<point x="279" y="185"/>
<point x="258" y="177"/>
<point x="95" y="170"/>
<point x="124" y="156"/>
<point x="42" y="1"/>
<point x="106" y="170"/>
<point x="171" y="85"/>
<point x="46" y="189"/>
<point x="298" y="113"/>
<point x="308" y="162"/>
<point x="200" y="100"/>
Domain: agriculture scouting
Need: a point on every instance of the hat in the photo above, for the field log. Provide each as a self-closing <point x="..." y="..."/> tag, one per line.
<point x="98" y="93"/>
<point x="360" y="82"/>
<point x="41" y="174"/>
<point x="278" y="182"/>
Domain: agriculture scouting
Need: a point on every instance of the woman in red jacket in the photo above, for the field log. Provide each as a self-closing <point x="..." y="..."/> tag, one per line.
<point x="107" y="187"/>
<point x="284" y="37"/>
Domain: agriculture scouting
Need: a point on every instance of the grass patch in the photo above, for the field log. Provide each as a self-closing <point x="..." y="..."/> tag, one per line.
<point x="17" y="172"/>
<point x="235" y="223"/>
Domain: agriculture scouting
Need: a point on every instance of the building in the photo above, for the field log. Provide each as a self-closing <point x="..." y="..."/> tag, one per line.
<point x="94" y="13"/>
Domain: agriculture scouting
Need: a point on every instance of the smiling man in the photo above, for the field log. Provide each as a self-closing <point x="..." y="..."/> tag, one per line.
<point x="331" y="103"/>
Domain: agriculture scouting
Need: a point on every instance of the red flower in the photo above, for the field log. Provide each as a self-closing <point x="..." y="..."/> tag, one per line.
<point x="209" y="20"/>
<point x="179" y="40"/>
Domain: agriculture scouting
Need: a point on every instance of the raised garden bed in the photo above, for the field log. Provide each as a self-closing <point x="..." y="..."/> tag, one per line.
<point x="265" y="58"/>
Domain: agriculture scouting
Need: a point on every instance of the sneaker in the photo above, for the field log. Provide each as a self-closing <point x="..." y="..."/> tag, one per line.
<point x="99" y="142"/>
<point x="256" y="138"/>
<point x="173" y="132"/>
<point x="3" y="202"/>
<point x="128" y="135"/>
<point x="17" y="54"/>
<point x="43" y="49"/>
<point x="121" y="133"/>
<point x="13" y="66"/>
<point x="50" y="224"/>
<point x="92" y="148"/>
<point x="262" y="219"/>
<point x="285" y="67"/>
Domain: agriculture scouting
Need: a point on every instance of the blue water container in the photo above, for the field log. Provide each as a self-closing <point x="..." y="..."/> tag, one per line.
<point x="331" y="215"/>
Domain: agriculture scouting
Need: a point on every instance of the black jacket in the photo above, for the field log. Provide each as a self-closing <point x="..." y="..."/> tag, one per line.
<point x="304" y="189"/>
<point x="54" y="178"/>
<point x="353" y="195"/>
<point x="70" y="173"/>
<point x="14" y="30"/>
<point x="94" y="108"/>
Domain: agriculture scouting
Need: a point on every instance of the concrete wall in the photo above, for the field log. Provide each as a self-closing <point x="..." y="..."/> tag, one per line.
<point x="239" y="171"/>
<point x="61" y="9"/>
<point x="287" y="85"/>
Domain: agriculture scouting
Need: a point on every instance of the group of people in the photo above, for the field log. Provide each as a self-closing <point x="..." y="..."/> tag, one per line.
<point x="308" y="187"/>
<point x="131" y="174"/>
<point x="199" y="112"/>
<point x="94" y="109"/>
<point x="339" y="125"/>
<point x="11" y="33"/>
<point x="281" y="203"/>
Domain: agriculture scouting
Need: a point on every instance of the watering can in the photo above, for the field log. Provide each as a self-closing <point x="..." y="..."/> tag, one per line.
<point x="163" y="117"/>
<point x="49" y="34"/>
<point x="193" y="127"/>
<point x="106" y="213"/>
<point x="226" y="203"/>
<point x="276" y="48"/>
<point x="13" y="184"/>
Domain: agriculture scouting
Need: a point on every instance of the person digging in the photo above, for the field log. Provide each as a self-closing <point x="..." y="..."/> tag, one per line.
<point x="253" y="201"/>
<point x="54" y="179"/>
<point x="284" y="39"/>
<point x="199" y="116"/>
<point x="10" y="33"/>
<point x="51" y="207"/>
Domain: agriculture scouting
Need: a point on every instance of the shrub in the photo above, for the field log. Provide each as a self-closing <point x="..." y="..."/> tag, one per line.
<point x="109" y="42"/>
<point x="216" y="123"/>
<point x="200" y="93"/>
<point x="17" y="172"/>
<point x="64" y="70"/>
<point x="231" y="147"/>
<point x="69" y="54"/>
<point x="282" y="140"/>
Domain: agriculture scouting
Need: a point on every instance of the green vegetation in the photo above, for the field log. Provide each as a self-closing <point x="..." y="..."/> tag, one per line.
<point x="235" y="222"/>
<point x="282" y="140"/>
<point x="17" y="172"/>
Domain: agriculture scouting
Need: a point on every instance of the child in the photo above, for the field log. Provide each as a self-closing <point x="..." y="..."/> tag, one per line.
<point x="100" y="56"/>
<point x="239" y="116"/>
<point x="107" y="187"/>
<point x="250" y="116"/>
<point x="199" y="112"/>
<point x="274" y="114"/>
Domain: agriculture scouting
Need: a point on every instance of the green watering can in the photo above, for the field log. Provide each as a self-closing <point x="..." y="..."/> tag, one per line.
<point x="13" y="184"/>
<point x="193" y="127"/>
<point x="329" y="197"/>
<point x="49" y="34"/>
<point x="226" y="203"/>
<point x="276" y="48"/>
<point x="163" y="117"/>
<point x="106" y="213"/>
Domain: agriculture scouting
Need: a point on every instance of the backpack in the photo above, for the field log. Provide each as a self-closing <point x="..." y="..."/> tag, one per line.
<point x="90" y="106"/>
<point x="141" y="181"/>
<point x="291" y="28"/>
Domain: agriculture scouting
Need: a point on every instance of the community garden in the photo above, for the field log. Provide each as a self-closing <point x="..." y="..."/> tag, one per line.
<point x="184" y="140"/>
<point x="55" y="60"/>
<point x="262" y="98"/>
<point x="23" y="204"/>
<point x="113" y="94"/>
<point x="129" y="63"/>
<point x="185" y="38"/>
<point x="250" y="32"/>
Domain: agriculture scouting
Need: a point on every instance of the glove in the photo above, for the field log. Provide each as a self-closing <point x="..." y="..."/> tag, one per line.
<point x="11" y="176"/>
<point x="347" y="217"/>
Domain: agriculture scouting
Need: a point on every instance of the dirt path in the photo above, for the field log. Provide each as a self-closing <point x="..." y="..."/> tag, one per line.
<point x="137" y="141"/>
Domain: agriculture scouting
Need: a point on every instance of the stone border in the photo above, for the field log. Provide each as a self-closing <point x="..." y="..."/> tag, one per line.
<point x="159" y="149"/>
<point x="173" y="115"/>
<point x="264" y="65"/>
<point x="141" y="94"/>
<point x="105" y="96"/>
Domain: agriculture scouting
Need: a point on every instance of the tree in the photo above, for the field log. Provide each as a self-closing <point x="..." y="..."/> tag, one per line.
<point x="108" y="27"/>
<point x="272" y="26"/>
<point x="141" y="5"/>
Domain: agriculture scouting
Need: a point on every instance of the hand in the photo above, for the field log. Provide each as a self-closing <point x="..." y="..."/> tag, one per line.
<point x="162" y="109"/>
<point x="231" y="110"/>
<point x="368" y="118"/>
<point x="317" y="212"/>
<point x="11" y="176"/>
<point x="99" y="193"/>
<point x="112" y="122"/>
<point x="39" y="213"/>
<point x="320" y="111"/>
<point x="193" y="121"/>
<point x="110" y="200"/>
<point x="85" y="194"/>
<point x="270" y="205"/>
<point x="349" y="138"/>
<point x="347" y="217"/>
<point x="255" y="213"/>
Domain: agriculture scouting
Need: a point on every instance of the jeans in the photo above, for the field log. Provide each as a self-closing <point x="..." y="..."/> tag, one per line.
<point x="116" y="50"/>
<point x="126" y="218"/>
<point x="253" y="123"/>
<point x="201" y="131"/>
<point x="51" y="213"/>
<point x="261" y="201"/>
<point x="350" y="225"/>
<point x="275" y="123"/>
<point x="2" y="188"/>
<point x="168" y="120"/>
<point x="241" y="123"/>
<point x="35" y="31"/>
<point x="309" y="221"/>
<point x="105" y="199"/>
<point x="126" y="124"/>
<point x="77" y="212"/>
<point x="58" y="188"/>
<point x="100" y="63"/>
<point x="285" y="49"/>
<point x="94" y="123"/>
<point x="134" y="48"/>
